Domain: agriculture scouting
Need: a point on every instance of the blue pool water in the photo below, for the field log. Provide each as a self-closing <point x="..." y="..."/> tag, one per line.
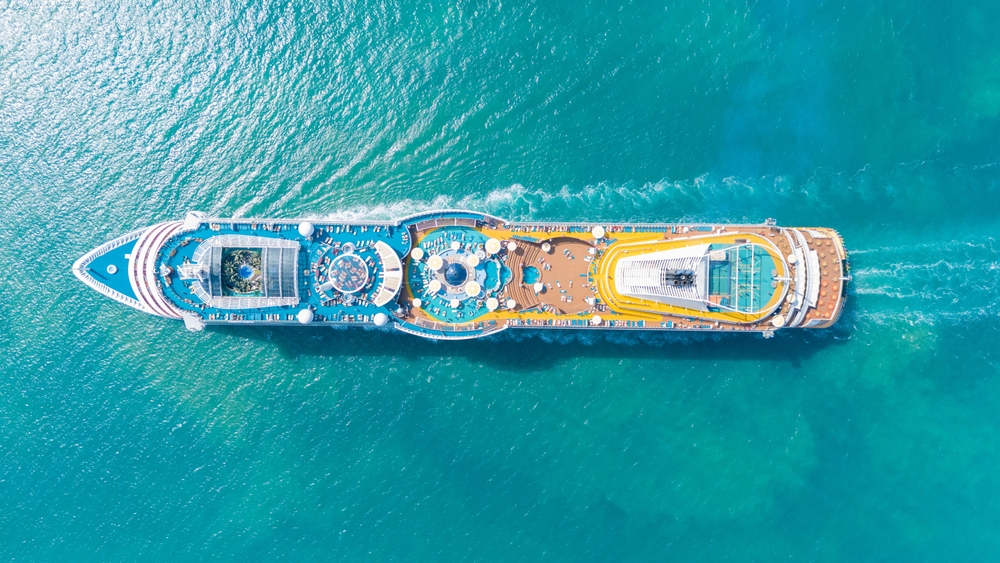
<point x="126" y="438"/>
<point x="531" y="275"/>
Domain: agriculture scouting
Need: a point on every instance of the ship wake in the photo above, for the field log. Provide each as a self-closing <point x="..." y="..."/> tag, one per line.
<point x="947" y="282"/>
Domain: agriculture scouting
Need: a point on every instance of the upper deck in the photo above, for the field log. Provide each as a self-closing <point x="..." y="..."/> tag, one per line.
<point x="457" y="274"/>
<point x="738" y="278"/>
<point x="274" y="271"/>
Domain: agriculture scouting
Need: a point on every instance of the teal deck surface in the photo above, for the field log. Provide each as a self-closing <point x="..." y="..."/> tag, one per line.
<point x="116" y="257"/>
<point x="183" y="246"/>
<point x="486" y="274"/>
<point x="744" y="279"/>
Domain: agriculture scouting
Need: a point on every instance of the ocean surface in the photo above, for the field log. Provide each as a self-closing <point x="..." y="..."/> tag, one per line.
<point x="125" y="438"/>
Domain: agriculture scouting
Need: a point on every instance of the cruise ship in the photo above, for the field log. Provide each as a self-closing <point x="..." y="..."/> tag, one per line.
<point x="454" y="274"/>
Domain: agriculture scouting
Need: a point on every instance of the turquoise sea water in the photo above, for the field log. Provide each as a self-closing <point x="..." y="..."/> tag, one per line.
<point x="125" y="438"/>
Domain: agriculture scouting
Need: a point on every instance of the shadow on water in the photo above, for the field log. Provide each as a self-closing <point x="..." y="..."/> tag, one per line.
<point x="532" y="350"/>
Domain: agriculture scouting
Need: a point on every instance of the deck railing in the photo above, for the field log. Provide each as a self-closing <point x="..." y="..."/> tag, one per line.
<point x="80" y="269"/>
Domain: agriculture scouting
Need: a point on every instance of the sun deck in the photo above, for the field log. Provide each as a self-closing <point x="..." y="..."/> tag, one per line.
<point x="561" y="275"/>
<point x="745" y="277"/>
<point x="269" y="271"/>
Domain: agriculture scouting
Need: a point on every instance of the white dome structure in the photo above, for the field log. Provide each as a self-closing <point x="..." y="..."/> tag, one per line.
<point x="380" y="319"/>
<point x="306" y="229"/>
<point x="306" y="316"/>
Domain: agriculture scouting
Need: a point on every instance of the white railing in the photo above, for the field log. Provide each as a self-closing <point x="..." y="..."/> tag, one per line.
<point x="80" y="270"/>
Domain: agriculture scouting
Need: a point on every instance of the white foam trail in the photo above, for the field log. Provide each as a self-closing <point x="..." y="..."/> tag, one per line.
<point x="600" y="202"/>
<point x="924" y="246"/>
<point x="944" y="282"/>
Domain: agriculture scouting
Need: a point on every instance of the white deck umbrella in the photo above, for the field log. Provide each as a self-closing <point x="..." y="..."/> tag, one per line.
<point x="598" y="232"/>
<point x="539" y="287"/>
<point x="596" y="320"/>
<point x="511" y="303"/>
<point x="778" y="321"/>
<point x="472" y="289"/>
<point x="455" y="303"/>
<point x="492" y="304"/>
<point x="511" y="246"/>
<point x="546" y="247"/>
<point x="435" y="262"/>
<point x="418" y="302"/>
<point x="492" y="246"/>
<point x="472" y="260"/>
<point x="417" y="253"/>
<point x="434" y="286"/>
<point x="455" y="245"/>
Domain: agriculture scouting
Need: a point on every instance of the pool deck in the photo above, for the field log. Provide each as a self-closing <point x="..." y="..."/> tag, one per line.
<point x="591" y="275"/>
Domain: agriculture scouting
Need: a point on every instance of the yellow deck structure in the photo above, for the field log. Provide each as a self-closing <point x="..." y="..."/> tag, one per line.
<point x="579" y="290"/>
